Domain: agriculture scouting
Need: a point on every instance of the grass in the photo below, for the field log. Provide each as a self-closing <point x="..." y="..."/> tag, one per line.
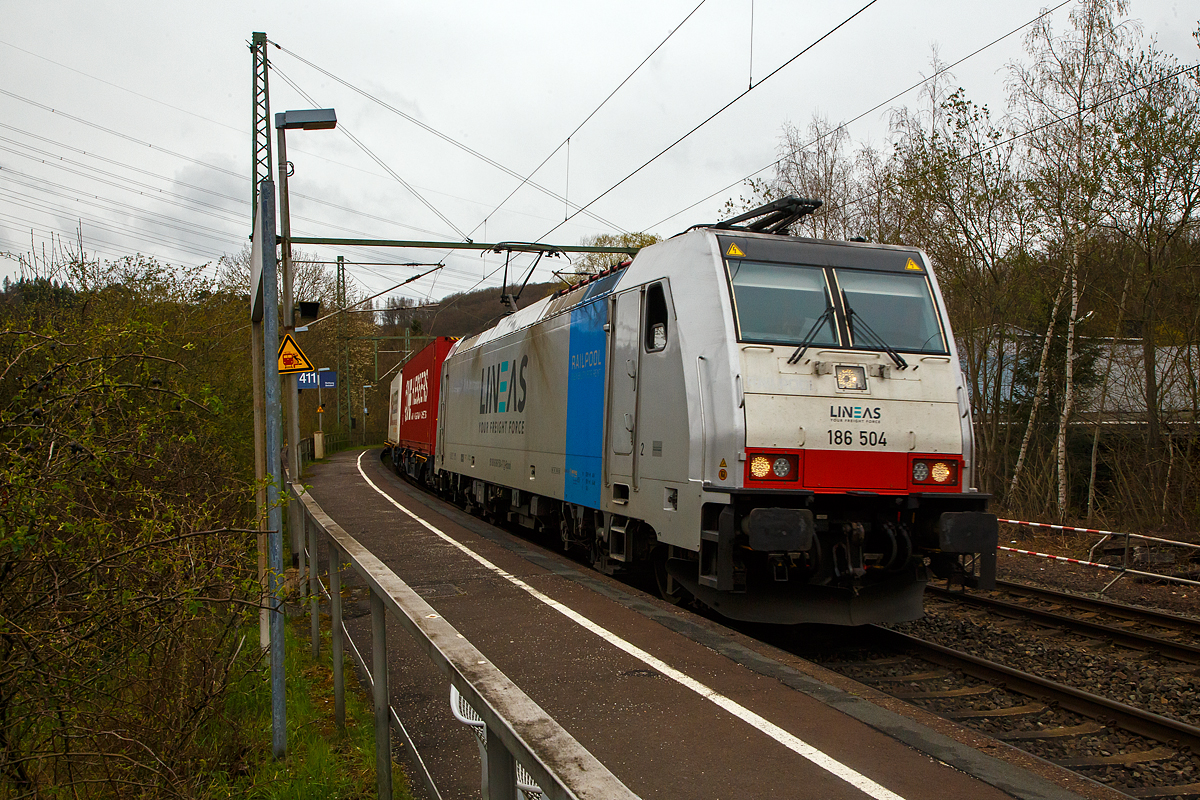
<point x="322" y="762"/>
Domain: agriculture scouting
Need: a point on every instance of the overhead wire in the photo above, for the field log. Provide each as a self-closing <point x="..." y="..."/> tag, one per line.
<point x="371" y="154"/>
<point x="125" y="136"/>
<point x="241" y="201"/>
<point x="1038" y="128"/>
<point x="579" y="127"/>
<point x="938" y="73"/>
<point x="715" y="114"/>
<point x="85" y="171"/>
<point x="450" y="252"/>
<point x="145" y="238"/>
<point x="239" y="131"/>
<point x="430" y="129"/>
<point x="94" y="198"/>
<point x="35" y="204"/>
<point x="95" y="201"/>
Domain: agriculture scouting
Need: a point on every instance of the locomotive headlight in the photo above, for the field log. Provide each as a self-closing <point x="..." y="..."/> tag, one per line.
<point x="942" y="472"/>
<point x="760" y="467"/>
<point x="773" y="467"/>
<point x="851" y="378"/>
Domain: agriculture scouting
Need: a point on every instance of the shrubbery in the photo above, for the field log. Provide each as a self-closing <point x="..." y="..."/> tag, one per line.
<point x="126" y="557"/>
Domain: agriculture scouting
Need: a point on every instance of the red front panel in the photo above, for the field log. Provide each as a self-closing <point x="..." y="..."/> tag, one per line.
<point x="855" y="469"/>
<point x="832" y="471"/>
<point x="420" y="387"/>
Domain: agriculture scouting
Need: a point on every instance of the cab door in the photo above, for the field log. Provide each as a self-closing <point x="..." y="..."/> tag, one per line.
<point x="624" y="379"/>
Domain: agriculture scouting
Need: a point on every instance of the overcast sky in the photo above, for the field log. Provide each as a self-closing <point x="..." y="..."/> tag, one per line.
<point x="130" y="120"/>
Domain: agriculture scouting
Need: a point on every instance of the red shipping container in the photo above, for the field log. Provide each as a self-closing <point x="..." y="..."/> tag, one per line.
<point x="419" y="389"/>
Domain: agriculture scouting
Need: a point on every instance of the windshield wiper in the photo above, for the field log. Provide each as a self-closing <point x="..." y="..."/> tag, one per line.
<point x="807" y="341"/>
<point x="871" y="336"/>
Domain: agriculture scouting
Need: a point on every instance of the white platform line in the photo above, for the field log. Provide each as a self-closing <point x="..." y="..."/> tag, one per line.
<point x="793" y="743"/>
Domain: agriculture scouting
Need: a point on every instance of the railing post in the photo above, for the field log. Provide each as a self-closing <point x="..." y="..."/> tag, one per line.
<point x="314" y="582"/>
<point x="383" y="727"/>
<point x="335" y="614"/>
<point x="298" y="542"/>
<point x="501" y="771"/>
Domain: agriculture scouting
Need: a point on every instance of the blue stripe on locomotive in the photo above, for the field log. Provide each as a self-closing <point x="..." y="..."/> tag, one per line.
<point x="585" y="406"/>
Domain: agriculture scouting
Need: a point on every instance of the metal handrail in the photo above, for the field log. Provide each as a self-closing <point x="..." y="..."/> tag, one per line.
<point x="518" y="730"/>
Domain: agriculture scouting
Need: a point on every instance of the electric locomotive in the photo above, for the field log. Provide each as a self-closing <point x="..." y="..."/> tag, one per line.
<point x="777" y="426"/>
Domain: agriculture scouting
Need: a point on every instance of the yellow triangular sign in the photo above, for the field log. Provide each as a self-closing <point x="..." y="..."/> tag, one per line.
<point x="734" y="250"/>
<point x="722" y="462"/>
<point x="292" y="358"/>
<point x="912" y="265"/>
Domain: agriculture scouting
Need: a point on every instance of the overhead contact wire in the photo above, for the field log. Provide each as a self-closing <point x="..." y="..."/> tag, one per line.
<point x="346" y="132"/>
<point x="448" y="139"/>
<point x="713" y="116"/>
<point x="587" y="119"/>
<point x="1038" y="128"/>
<point x="871" y="110"/>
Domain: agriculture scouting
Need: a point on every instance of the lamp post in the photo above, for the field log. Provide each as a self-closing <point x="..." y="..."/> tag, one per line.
<point x="364" y="407"/>
<point x="309" y="120"/>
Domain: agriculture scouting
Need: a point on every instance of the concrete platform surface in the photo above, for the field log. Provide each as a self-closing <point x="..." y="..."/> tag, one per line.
<point x="676" y="705"/>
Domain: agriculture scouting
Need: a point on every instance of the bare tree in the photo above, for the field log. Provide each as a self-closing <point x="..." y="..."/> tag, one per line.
<point x="968" y="194"/>
<point x="1071" y="74"/>
<point x="817" y="163"/>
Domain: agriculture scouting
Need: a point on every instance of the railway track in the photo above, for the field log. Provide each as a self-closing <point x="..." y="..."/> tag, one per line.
<point x="1129" y="749"/>
<point x="1109" y="691"/>
<point x="1026" y="593"/>
<point x="1171" y="636"/>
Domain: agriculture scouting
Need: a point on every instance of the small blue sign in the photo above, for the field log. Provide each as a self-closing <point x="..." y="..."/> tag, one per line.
<point x="326" y="379"/>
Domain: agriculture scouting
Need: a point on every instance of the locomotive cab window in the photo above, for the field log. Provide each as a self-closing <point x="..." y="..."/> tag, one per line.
<point x="656" y="319"/>
<point x="782" y="303"/>
<point x="897" y="307"/>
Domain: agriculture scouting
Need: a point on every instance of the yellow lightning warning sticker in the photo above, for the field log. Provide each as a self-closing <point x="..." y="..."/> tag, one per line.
<point x="912" y="265"/>
<point x="723" y="462"/>
<point x="734" y="250"/>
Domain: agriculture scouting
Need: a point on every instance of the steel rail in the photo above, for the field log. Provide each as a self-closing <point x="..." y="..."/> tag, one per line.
<point x="1133" y="639"/>
<point x="1123" y="610"/>
<point x="1133" y="719"/>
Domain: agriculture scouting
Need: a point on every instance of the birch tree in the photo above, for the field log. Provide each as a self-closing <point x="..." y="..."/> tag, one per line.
<point x="1070" y="76"/>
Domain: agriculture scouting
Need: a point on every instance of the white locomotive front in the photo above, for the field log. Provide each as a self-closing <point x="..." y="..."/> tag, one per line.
<point x="778" y="426"/>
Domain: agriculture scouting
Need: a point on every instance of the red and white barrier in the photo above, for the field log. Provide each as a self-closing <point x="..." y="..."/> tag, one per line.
<point x="1124" y="570"/>
<point x="1171" y="542"/>
<point x="1061" y="527"/>
<point x="1057" y="558"/>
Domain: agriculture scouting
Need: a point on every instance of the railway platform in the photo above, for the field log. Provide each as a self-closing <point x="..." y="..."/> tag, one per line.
<point x="674" y="704"/>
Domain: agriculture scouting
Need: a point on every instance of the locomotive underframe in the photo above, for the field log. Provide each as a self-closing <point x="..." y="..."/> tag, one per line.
<point x="848" y="557"/>
<point x="783" y="557"/>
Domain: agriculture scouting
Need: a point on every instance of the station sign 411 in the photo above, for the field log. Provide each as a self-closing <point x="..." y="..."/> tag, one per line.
<point x="326" y="379"/>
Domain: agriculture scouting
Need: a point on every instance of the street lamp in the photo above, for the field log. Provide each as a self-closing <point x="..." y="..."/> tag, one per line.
<point x="311" y="119"/>
<point x="364" y="401"/>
